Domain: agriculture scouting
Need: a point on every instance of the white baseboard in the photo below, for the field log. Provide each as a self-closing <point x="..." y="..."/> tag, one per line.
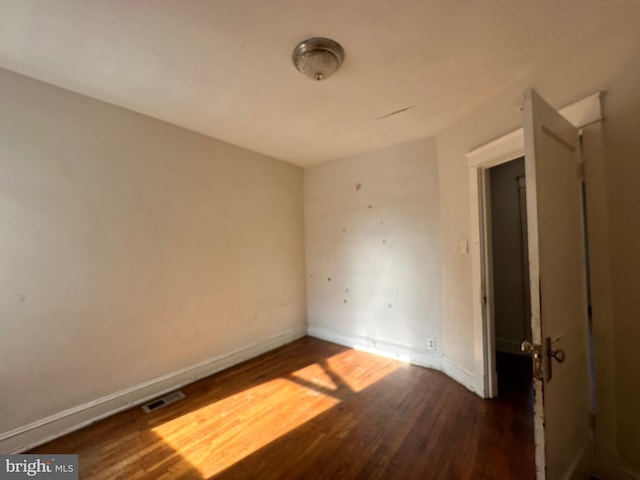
<point x="461" y="375"/>
<point x="423" y="358"/>
<point x="379" y="347"/>
<point x="41" y="431"/>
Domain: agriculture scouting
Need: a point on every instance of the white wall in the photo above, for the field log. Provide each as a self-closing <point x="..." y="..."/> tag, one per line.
<point x="129" y="249"/>
<point x="595" y="63"/>
<point x="621" y="138"/>
<point x="373" y="251"/>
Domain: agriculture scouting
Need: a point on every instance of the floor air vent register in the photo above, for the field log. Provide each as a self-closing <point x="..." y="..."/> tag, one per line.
<point x="168" y="399"/>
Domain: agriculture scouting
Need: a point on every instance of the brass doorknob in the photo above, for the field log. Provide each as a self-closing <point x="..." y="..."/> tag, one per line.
<point x="557" y="355"/>
<point x="536" y="355"/>
<point x="526" y="347"/>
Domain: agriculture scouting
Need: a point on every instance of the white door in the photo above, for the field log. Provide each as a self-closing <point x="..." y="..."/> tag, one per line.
<point x="558" y="289"/>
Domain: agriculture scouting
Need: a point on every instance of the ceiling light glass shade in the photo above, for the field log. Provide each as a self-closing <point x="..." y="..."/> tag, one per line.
<point x="318" y="58"/>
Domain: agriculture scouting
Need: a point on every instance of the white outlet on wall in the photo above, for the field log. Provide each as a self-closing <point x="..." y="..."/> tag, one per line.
<point x="431" y="343"/>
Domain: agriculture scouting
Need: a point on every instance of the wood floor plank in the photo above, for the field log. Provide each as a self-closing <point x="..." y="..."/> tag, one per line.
<point x="311" y="410"/>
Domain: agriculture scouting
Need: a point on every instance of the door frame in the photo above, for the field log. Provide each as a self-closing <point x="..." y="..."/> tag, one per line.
<point x="479" y="160"/>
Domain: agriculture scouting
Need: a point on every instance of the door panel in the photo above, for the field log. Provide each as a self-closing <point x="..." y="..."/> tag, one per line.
<point x="558" y="287"/>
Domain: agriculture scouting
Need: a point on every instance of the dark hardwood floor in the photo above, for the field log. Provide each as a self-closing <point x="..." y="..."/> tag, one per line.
<point x="315" y="410"/>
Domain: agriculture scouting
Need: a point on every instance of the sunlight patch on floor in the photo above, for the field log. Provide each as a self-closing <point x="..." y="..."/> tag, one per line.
<point x="316" y="375"/>
<point x="216" y="436"/>
<point x="341" y="372"/>
<point x="219" y="435"/>
<point x="366" y="372"/>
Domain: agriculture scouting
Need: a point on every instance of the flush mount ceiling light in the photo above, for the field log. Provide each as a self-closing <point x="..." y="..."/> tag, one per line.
<point x="318" y="58"/>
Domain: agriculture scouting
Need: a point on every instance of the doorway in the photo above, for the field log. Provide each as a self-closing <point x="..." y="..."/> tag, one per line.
<point x="507" y="220"/>
<point x="479" y="161"/>
<point x="558" y="287"/>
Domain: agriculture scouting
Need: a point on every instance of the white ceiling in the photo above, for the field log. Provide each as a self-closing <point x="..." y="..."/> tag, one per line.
<point x="223" y="67"/>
